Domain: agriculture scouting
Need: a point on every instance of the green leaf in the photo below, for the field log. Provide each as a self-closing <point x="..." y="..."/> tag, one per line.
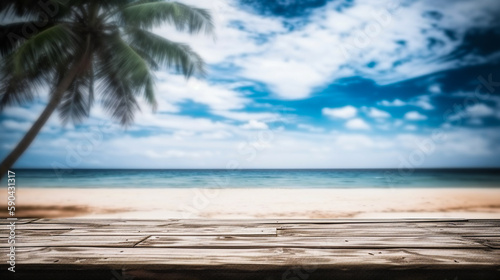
<point x="74" y="106"/>
<point x="122" y="57"/>
<point x="149" y="94"/>
<point x="21" y="88"/>
<point x="167" y="53"/>
<point x="14" y="34"/>
<point x="148" y="14"/>
<point x="117" y="93"/>
<point x="54" y="43"/>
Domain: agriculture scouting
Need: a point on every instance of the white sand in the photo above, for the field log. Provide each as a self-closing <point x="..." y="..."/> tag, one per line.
<point x="256" y="203"/>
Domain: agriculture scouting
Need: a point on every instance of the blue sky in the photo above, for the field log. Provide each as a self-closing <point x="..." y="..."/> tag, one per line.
<point x="306" y="84"/>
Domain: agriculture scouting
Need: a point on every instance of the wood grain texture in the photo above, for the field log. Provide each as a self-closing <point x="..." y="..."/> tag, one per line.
<point x="218" y="242"/>
<point x="181" y="247"/>
<point x="252" y="259"/>
<point x="389" y="231"/>
<point x="73" y="241"/>
<point x="196" y="231"/>
<point x="18" y="221"/>
<point x="249" y="221"/>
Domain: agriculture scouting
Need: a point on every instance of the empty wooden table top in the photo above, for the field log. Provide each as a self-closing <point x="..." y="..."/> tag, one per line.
<point x="253" y="249"/>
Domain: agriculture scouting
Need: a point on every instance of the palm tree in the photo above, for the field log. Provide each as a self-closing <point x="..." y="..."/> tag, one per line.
<point x="85" y="47"/>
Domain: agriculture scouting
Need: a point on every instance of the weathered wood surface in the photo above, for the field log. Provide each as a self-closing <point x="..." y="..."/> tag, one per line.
<point x="342" y="248"/>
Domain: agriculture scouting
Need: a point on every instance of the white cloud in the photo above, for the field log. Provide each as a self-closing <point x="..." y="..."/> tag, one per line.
<point x="394" y="103"/>
<point x="166" y="122"/>
<point x="398" y="123"/>
<point x="14" y="125"/>
<point x="174" y="89"/>
<point x="474" y="113"/>
<point x="435" y="88"/>
<point x="346" y="112"/>
<point x="253" y="124"/>
<point x="479" y="110"/>
<point x="415" y="116"/>
<point x="29" y="114"/>
<point x="376" y="113"/>
<point x="423" y="102"/>
<point x="230" y="41"/>
<point x="411" y="127"/>
<point x="286" y="149"/>
<point x="293" y="64"/>
<point x="460" y="142"/>
<point x="475" y="121"/>
<point x="177" y="154"/>
<point x="217" y="135"/>
<point x="357" y="124"/>
<point x="311" y="128"/>
<point x="247" y="116"/>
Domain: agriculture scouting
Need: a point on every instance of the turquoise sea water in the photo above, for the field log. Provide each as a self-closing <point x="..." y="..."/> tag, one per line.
<point x="264" y="178"/>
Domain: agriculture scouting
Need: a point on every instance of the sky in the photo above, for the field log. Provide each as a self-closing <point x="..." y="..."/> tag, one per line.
<point x="305" y="84"/>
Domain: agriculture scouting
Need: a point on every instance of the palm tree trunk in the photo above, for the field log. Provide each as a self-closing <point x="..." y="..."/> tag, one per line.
<point x="40" y="122"/>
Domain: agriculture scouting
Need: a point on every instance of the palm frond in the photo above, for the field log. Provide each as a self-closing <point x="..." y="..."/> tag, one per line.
<point x="74" y="106"/>
<point x="51" y="43"/>
<point x="167" y="53"/>
<point x="21" y="88"/>
<point x="35" y="8"/>
<point x="118" y="99"/>
<point x="12" y="35"/>
<point x="91" y="87"/>
<point x="148" y="14"/>
<point x="126" y="52"/>
<point x="129" y="64"/>
<point x="149" y="94"/>
<point x="152" y="63"/>
<point x="117" y="93"/>
<point x="14" y="89"/>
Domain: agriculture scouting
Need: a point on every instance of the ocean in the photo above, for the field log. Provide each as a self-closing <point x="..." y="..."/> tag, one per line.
<point x="257" y="178"/>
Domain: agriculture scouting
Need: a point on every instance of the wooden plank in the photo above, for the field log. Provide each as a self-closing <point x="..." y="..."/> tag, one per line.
<point x="35" y="226"/>
<point x="291" y="273"/>
<point x="80" y="229"/>
<point x="242" y="223"/>
<point x="18" y="221"/>
<point x="110" y="225"/>
<point x="221" y="231"/>
<point x="36" y="232"/>
<point x="483" y="220"/>
<point x="73" y="241"/>
<point x="476" y="223"/>
<point x="272" y="232"/>
<point x="105" y="222"/>
<point x="363" y="229"/>
<point x="254" y="259"/>
<point x="237" y="242"/>
<point x="459" y="224"/>
<point x="181" y="247"/>
<point x="490" y="241"/>
<point x="387" y="231"/>
<point x="464" y="226"/>
<point x="312" y="221"/>
<point x="347" y="232"/>
<point x="217" y="231"/>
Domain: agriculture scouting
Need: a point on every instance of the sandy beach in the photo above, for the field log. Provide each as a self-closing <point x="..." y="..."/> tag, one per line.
<point x="255" y="203"/>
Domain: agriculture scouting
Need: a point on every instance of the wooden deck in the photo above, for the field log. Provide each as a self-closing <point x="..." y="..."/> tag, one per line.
<point x="253" y="249"/>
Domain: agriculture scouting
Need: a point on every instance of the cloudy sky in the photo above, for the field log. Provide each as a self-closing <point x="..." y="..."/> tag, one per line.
<point x="306" y="84"/>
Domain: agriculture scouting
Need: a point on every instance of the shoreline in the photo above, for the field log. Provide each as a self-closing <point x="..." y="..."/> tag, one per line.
<point x="260" y="203"/>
